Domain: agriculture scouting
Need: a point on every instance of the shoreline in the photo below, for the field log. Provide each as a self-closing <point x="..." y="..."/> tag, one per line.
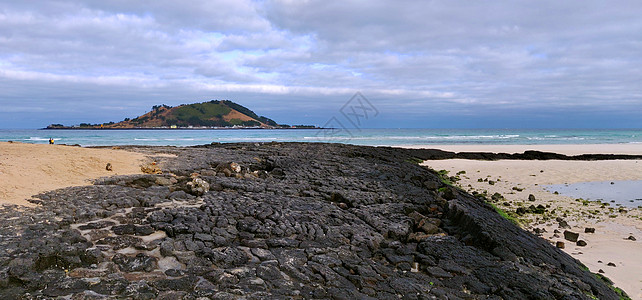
<point x="181" y="128"/>
<point x="566" y="149"/>
<point x="515" y="180"/>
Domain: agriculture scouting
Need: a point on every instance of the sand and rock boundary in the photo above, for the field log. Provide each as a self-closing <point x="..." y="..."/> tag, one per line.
<point x="279" y="220"/>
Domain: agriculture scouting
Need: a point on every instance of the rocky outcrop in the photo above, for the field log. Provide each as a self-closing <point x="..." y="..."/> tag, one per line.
<point x="434" y="154"/>
<point x="278" y="221"/>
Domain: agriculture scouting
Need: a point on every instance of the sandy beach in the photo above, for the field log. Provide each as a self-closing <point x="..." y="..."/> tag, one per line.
<point x="609" y="243"/>
<point x="29" y="169"/>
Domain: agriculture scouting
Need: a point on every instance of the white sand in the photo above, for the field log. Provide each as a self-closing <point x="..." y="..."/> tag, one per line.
<point x="608" y="243"/>
<point x="29" y="169"/>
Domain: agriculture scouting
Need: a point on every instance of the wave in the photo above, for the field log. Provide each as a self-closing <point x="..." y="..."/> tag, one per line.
<point x="253" y="139"/>
<point x="415" y="138"/>
<point x="574" y="138"/>
<point x="178" y="139"/>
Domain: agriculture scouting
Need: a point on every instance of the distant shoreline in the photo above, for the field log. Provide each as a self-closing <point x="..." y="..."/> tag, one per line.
<point x="155" y="128"/>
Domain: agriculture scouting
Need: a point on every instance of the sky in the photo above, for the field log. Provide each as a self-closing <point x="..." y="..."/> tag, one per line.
<point x="417" y="64"/>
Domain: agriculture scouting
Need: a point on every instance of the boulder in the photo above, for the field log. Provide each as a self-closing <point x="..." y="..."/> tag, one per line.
<point x="124" y="229"/>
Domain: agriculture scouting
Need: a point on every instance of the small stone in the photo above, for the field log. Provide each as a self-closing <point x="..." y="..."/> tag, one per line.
<point x="531" y="197"/>
<point x="571" y="236"/>
<point x="151" y="168"/>
<point x="600" y="271"/>
<point x="559" y="244"/>
<point x="610" y="264"/>
<point x="581" y="243"/>
<point x="631" y="238"/>
<point x="235" y="167"/>
<point x="563" y="224"/>
<point x="431" y="185"/>
<point x="198" y="186"/>
<point x="108" y="167"/>
<point x="497" y="197"/>
<point x="165" y="181"/>
<point x="539" y="231"/>
<point x="589" y="230"/>
<point x="448" y="194"/>
<point x="428" y="227"/>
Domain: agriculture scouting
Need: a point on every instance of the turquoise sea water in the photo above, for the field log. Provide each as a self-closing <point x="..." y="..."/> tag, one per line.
<point x="373" y="137"/>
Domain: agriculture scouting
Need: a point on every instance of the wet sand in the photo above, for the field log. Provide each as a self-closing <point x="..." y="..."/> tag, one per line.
<point x="613" y="226"/>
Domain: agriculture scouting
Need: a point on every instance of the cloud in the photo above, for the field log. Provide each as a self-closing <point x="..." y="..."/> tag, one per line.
<point x="413" y="58"/>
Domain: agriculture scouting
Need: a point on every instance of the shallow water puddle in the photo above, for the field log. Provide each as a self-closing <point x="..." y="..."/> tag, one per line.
<point x="625" y="193"/>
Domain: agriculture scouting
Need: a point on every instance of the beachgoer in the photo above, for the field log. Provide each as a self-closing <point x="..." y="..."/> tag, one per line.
<point x="51" y="141"/>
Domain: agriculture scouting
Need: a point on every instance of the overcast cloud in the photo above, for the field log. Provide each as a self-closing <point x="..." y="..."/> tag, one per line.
<point x="421" y="63"/>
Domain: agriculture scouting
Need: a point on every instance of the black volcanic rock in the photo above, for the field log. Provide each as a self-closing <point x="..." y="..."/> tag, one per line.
<point x="321" y="221"/>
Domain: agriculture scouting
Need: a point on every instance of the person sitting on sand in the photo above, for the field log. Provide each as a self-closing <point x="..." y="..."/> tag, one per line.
<point x="51" y="141"/>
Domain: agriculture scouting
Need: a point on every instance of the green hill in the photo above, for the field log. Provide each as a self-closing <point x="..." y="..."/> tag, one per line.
<point x="215" y="113"/>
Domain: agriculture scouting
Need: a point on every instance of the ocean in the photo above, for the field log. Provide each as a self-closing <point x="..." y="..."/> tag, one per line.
<point x="372" y="137"/>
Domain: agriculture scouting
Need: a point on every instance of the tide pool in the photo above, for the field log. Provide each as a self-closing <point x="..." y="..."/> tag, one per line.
<point x="616" y="193"/>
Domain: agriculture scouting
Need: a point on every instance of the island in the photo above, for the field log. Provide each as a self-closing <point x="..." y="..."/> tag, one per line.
<point x="214" y="114"/>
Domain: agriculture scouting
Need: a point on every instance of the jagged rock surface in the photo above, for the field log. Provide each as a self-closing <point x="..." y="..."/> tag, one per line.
<point x="278" y="221"/>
